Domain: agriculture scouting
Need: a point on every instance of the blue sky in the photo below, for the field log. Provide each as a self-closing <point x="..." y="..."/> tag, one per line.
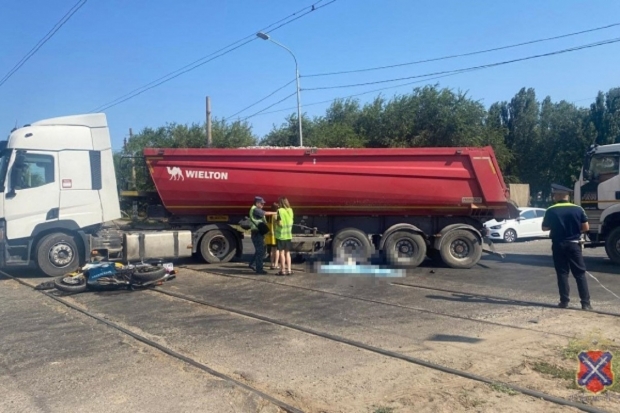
<point x="109" y="48"/>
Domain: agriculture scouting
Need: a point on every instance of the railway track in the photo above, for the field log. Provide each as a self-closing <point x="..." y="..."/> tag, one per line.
<point x="321" y="334"/>
<point x="385" y="303"/>
<point x="164" y="349"/>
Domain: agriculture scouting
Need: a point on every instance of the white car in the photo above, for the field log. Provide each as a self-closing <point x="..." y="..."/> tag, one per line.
<point x="527" y="225"/>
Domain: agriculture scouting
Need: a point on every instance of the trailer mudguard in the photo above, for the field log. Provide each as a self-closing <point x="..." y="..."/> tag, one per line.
<point x="445" y="230"/>
<point x="399" y="227"/>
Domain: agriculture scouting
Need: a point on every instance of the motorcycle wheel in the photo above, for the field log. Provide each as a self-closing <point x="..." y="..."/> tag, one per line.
<point x="149" y="273"/>
<point x="71" y="284"/>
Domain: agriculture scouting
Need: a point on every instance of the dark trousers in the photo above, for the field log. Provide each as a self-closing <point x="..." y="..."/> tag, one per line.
<point x="259" y="246"/>
<point x="567" y="257"/>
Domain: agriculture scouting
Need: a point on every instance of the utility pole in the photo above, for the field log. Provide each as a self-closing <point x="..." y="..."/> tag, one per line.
<point x="209" y="139"/>
<point x="133" y="163"/>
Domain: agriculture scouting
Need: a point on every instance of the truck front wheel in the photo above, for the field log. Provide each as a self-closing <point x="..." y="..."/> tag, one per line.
<point x="57" y="254"/>
<point x="218" y="246"/>
<point x="460" y="249"/>
<point x="612" y="245"/>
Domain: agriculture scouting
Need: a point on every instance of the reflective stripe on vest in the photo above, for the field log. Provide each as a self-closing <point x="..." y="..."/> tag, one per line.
<point x="285" y="230"/>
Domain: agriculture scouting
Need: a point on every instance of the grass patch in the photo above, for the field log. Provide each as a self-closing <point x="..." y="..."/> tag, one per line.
<point x="384" y="410"/>
<point x="554" y="371"/>
<point x="594" y="341"/>
<point x="502" y="388"/>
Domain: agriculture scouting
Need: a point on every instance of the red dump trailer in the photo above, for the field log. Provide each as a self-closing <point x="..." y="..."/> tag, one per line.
<point x="398" y="204"/>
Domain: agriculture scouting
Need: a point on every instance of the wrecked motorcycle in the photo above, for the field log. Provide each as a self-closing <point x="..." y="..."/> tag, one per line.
<point x="112" y="276"/>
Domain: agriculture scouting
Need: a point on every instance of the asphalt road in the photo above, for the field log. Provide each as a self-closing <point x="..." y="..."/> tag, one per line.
<point x="53" y="359"/>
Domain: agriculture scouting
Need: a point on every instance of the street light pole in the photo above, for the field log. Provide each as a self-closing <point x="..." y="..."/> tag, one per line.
<point x="266" y="37"/>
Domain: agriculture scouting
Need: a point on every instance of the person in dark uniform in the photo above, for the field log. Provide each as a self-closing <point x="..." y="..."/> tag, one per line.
<point x="257" y="216"/>
<point x="567" y="222"/>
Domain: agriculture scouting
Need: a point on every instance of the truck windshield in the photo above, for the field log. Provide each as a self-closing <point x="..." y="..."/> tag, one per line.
<point x="604" y="167"/>
<point x="5" y="156"/>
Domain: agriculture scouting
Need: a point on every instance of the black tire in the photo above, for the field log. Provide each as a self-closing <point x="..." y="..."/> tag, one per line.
<point x="352" y="242"/>
<point x="510" y="235"/>
<point x="77" y="286"/>
<point x="148" y="274"/>
<point x="612" y="245"/>
<point x="218" y="246"/>
<point x="460" y="249"/>
<point x="405" y="248"/>
<point x="57" y="254"/>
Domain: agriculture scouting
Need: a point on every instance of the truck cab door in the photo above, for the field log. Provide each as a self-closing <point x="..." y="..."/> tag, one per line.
<point x="608" y="180"/>
<point x="32" y="192"/>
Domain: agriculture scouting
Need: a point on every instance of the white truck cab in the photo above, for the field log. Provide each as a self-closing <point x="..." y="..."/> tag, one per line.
<point x="598" y="192"/>
<point x="58" y="186"/>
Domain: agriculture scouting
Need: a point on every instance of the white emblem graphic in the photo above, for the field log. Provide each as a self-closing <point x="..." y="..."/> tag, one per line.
<point x="175" y="173"/>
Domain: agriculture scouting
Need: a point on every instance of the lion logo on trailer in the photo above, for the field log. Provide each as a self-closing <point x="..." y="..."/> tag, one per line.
<point x="175" y="173"/>
<point x="595" y="372"/>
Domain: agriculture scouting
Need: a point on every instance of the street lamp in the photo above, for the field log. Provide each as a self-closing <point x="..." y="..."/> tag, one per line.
<point x="266" y="37"/>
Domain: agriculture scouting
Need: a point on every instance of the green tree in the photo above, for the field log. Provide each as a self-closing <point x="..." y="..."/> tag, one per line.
<point x="224" y="135"/>
<point x="605" y="117"/>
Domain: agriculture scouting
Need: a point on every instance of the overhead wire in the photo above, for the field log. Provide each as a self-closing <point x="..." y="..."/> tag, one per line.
<point x="426" y="76"/>
<point x="43" y="40"/>
<point x="212" y="56"/>
<point x="486" y="66"/>
<point x="465" y="54"/>
<point x="270" y="106"/>
<point x="349" y="96"/>
<point x="261" y="100"/>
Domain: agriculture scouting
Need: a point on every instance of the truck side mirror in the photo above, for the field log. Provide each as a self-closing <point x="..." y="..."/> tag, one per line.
<point x="16" y="172"/>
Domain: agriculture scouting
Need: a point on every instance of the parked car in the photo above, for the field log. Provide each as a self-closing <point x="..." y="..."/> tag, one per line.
<point x="527" y="225"/>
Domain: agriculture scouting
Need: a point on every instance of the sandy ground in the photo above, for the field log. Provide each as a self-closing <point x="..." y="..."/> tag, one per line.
<point x="528" y="348"/>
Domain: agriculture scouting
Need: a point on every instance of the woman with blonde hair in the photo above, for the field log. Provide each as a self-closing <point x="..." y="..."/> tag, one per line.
<point x="270" y="238"/>
<point x="284" y="235"/>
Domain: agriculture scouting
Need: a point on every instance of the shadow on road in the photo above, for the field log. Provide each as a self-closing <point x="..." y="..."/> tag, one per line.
<point x="593" y="264"/>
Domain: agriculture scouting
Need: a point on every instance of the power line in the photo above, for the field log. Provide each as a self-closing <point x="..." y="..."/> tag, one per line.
<point x="464" y="54"/>
<point x="445" y="74"/>
<point x="248" y="37"/>
<point x="270" y="106"/>
<point x="572" y="49"/>
<point x="259" y="101"/>
<point x="44" y="40"/>
<point x="425" y="61"/>
<point x="350" y="96"/>
<point x="219" y="53"/>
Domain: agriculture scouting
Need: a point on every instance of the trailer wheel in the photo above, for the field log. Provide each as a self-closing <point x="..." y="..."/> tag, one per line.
<point x="405" y="248"/>
<point x="352" y="242"/>
<point x="57" y="254"/>
<point x="218" y="246"/>
<point x="612" y="245"/>
<point x="460" y="249"/>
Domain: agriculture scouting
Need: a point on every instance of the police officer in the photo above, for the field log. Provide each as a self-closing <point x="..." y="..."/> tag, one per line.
<point x="257" y="215"/>
<point x="567" y="222"/>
